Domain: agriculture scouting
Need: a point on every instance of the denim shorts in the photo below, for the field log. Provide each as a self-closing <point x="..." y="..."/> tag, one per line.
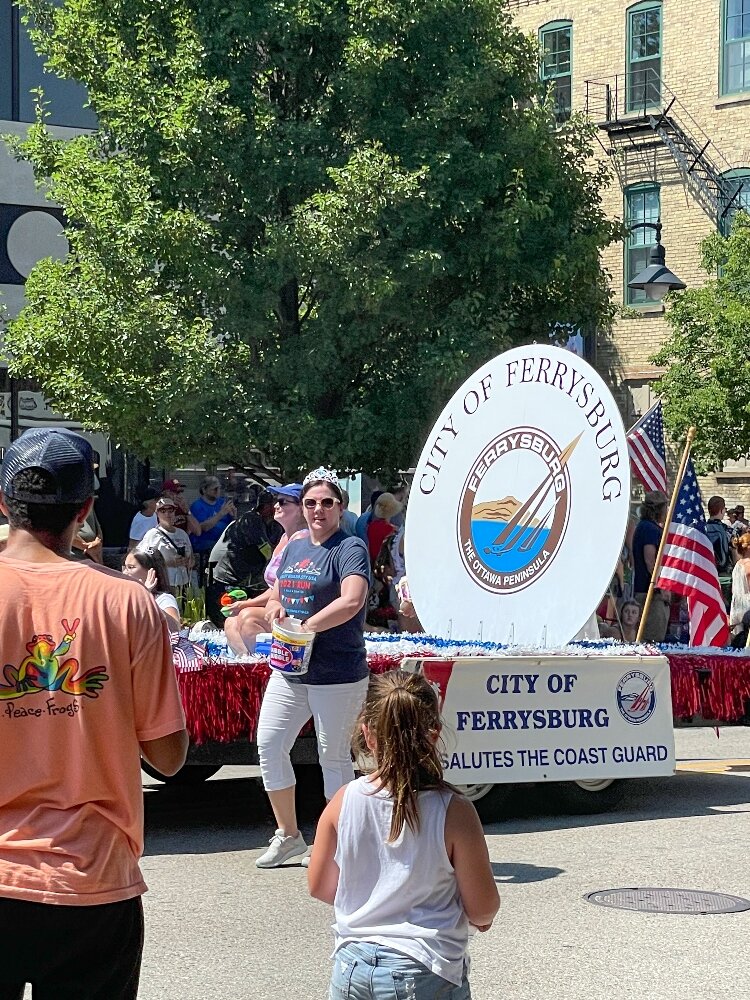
<point x="364" y="971"/>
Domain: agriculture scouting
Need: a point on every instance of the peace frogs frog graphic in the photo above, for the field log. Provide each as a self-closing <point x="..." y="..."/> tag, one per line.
<point x="519" y="503"/>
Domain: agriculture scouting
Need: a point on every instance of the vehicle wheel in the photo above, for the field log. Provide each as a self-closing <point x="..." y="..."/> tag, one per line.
<point x="587" y="796"/>
<point x="489" y="800"/>
<point x="189" y="774"/>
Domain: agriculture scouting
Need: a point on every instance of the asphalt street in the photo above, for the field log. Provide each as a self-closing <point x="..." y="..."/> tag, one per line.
<point x="219" y="928"/>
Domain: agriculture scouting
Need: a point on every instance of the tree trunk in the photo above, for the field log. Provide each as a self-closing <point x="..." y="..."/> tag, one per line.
<point x="288" y="309"/>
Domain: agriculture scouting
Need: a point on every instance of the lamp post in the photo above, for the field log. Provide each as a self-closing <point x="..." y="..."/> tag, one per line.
<point x="656" y="279"/>
<point x="15" y="429"/>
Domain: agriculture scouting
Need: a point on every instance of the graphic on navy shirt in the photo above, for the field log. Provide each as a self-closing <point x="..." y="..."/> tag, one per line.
<point x="297" y="588"/>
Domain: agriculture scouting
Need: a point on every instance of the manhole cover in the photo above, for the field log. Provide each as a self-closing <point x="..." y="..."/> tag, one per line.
<point x="669" y="900"/>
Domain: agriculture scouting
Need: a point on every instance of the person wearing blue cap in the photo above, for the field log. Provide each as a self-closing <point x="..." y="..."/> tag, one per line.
<point x="248" y="617"/>
<point x="88" y="687"/>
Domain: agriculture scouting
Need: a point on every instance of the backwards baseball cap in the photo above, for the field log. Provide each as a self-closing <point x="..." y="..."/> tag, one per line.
<point x="66" y="456"/>
<point x="292" y="490"/>
<point x="171" y="486"/>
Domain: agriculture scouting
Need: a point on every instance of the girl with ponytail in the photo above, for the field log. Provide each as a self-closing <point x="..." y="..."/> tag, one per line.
<point x="402" y="858"/>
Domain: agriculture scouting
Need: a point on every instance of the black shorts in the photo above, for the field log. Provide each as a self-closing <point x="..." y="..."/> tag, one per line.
<point x="71" y="952"/>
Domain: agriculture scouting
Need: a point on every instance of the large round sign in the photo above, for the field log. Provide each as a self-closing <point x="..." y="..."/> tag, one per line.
<point x="519" y="503"/>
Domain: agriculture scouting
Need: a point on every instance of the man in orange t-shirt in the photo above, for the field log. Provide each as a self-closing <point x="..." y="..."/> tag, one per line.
<point x="87" y="686"/>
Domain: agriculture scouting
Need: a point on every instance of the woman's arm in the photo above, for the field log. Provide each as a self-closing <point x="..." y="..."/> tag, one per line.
<point x="323" y="873"/>
<point x="274" y="609"/>
<point x="189" y="560"/>
<point x="467" y="850"/>
<point x="353" y="596"/>
<point x="649" y="557"/>
<point x="173" y="624"/>
<point x="173" y="619"/>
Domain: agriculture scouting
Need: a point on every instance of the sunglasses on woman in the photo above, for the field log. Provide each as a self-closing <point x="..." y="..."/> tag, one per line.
<point x="283" y="501"/>
<point x="326" y="502"/>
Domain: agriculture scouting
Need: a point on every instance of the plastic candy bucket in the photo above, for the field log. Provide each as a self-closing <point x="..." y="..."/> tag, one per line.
<point x="291" y="647"/>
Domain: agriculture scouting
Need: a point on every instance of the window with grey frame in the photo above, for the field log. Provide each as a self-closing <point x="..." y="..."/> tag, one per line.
<point x="643" y="84"/>
<point x="735" y="46"/>
<point x="556" y="42"/>
<point x="739" y="201"/>
<point x="22" y="71"/>
<point x="642" y="204"/>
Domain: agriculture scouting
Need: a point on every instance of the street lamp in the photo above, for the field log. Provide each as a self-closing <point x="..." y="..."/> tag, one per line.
<point x="656" y="279"/>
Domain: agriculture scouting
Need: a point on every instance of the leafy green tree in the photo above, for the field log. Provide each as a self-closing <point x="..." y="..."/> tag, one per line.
<point x="707" y="383"/>
<point x="301" y="222"/>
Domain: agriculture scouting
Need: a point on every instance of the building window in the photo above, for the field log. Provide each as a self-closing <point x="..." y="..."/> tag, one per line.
<point x="22" y="70"/>
<point x="556" y="41"/>
<point x="6" y="61"/>
<point x="639" y="398"/>
<point x="739" y="200"/>
<point x="641" y="205"/>
<point x="735" y="46"/>
<point x="644" y="56"/>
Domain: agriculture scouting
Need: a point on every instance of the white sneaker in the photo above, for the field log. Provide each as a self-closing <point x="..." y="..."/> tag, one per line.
<point x="305" y="862"/>
<point x="282" y="849"/>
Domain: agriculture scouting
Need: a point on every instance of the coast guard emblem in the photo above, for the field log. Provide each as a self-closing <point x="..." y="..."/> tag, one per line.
<point x="636" y="697"/>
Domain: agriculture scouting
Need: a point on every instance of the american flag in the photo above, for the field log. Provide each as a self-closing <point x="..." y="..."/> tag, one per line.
<point x="188" y="656"/>
<point x="646" y="448"/>
<point x="688" y="567"/>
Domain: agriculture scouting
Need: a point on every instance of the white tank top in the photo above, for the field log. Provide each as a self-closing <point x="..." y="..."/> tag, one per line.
<point x="402" y="895"/>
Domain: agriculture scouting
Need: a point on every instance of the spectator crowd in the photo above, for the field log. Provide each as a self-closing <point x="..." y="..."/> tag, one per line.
<point x="220" y="543"/>
<point x="667" y="620"/>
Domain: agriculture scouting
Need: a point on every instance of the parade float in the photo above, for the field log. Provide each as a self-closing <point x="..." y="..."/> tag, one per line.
<point x="516" y="519"/>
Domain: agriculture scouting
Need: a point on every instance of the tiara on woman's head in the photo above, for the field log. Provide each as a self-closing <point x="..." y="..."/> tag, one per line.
<point x="323" y="475"/>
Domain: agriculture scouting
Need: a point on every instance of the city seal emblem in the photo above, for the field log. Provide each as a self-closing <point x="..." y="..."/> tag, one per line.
<point x="506" y="540"/>
<point x="519" y="502"/>
<point x="636" y="697"/>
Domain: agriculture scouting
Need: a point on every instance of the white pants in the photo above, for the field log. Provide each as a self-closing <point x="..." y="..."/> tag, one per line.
<point x="287" y="707"/>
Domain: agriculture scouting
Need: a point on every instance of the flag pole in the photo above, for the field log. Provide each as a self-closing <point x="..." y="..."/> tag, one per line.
<point x="667" y="521"/>
<point x="643" y="416"/>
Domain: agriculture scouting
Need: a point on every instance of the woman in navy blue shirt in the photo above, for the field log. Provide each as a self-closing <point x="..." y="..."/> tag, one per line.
<point x="323" y="580"/>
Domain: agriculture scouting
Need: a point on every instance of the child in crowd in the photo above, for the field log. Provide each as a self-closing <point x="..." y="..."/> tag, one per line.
<point x="402" y="857"/>
<point x="149" y="569"/>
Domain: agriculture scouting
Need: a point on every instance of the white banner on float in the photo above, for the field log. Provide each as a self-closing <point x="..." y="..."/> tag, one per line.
<point x="555" y="718"/>
<point x="524" y="479"/>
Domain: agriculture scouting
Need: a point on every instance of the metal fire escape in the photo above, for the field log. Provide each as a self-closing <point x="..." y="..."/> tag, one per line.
<point x="639" y="112"/>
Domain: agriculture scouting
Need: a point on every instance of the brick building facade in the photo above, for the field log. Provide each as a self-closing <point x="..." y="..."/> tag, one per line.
<point x="668" y="86"/>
